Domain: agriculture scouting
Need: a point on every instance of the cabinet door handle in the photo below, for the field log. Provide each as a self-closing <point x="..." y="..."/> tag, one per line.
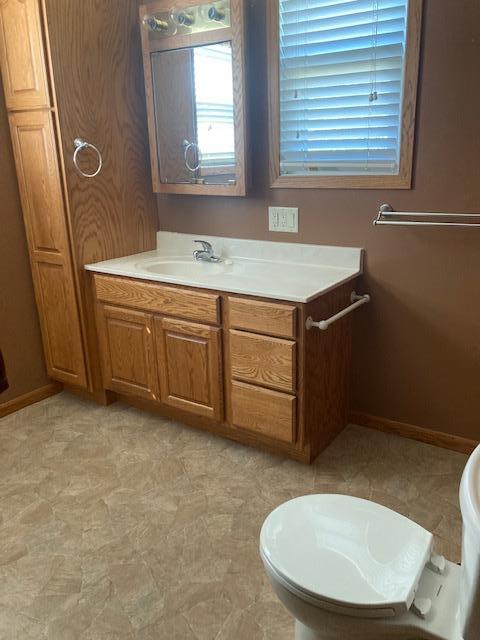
<point x="80" y="144"/>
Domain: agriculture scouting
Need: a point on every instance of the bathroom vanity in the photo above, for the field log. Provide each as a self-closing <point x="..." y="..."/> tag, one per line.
<point x="224" y="345"/>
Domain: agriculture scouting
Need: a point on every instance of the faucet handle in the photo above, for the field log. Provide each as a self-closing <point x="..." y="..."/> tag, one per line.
<point x="206" y="246"/>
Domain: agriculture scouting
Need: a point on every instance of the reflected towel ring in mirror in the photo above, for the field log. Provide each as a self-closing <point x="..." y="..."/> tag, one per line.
<point x="80" y="144"/>
<point x="194" y="146"/>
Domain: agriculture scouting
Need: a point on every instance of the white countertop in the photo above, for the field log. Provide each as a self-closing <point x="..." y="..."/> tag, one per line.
<point x="279" y="270"/>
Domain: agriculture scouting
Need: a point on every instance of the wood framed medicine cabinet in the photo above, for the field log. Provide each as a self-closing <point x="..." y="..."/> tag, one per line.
<point x="194" y="69"/>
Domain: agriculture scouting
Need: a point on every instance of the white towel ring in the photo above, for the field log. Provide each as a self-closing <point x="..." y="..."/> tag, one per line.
<point x="80" y="144"/>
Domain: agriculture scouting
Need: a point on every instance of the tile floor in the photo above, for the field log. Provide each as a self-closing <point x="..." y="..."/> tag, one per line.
<point x="119" y="525"/>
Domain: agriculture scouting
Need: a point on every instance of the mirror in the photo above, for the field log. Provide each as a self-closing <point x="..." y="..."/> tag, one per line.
<point x="193" y="95"/>
<point x="194" y="81"/>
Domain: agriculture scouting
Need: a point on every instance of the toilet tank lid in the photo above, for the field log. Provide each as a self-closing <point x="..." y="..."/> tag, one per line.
<point x="346" y="551"/>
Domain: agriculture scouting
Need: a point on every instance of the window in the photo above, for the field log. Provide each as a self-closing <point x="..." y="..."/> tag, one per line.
<point x="342" y="92"/>
<point x="214" y="106"/>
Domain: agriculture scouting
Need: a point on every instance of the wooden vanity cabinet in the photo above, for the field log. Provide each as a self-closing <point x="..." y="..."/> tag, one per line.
<point x="242" y="367"/>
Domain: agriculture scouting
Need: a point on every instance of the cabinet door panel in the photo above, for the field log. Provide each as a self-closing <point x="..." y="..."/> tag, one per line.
<point x="189" y="365"/>
<point x="128" y="351"/>
<point x="39" y="180"/>
<point x="21" y="54"/>
<point x="41" y="193"/>
<point x="59" y="322"/>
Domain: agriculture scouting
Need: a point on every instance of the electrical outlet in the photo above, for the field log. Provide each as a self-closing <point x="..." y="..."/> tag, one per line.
<point x="283" y="219"/>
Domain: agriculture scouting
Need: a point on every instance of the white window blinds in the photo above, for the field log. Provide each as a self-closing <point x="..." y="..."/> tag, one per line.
<point x="341" y="76"/>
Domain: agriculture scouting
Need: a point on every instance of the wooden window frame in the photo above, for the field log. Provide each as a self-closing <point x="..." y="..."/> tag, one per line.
<point x="402" y="180"/>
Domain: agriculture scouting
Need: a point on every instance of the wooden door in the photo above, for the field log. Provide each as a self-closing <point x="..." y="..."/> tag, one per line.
<point x="21" y="55"/>
<point x="189" y="366"/>
<point x="43" y="209"/>
<point x="127" y="351"/>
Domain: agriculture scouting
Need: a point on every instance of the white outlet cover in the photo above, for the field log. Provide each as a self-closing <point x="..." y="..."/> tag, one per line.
<point x="283" y="219"/>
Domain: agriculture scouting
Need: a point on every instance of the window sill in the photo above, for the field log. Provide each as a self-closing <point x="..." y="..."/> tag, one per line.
<point x="341" y="182"/>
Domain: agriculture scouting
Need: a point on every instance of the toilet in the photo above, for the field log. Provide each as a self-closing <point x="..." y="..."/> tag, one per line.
<point x="351" y="569"/>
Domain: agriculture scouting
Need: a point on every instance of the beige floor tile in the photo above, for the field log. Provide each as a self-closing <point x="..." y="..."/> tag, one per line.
<point x="119" y="525"/>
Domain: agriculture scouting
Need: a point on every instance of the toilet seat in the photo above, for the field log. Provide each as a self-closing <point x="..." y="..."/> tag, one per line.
<point x="345" y="554"/>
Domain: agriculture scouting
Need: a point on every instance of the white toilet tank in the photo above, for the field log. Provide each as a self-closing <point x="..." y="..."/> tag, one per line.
<point x="470" y="580"/>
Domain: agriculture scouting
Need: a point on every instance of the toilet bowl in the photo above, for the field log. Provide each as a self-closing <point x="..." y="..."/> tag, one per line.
<point x="348" y="568"/>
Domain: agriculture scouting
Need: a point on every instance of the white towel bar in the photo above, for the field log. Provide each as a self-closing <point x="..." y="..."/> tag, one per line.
<point x="356" y="300"/>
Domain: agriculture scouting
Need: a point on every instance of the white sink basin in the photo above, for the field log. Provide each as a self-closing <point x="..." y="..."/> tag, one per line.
<point x="277" y="270"/>
<point x="182" y="268"/>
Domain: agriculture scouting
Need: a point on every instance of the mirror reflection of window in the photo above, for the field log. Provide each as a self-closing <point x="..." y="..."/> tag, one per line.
<point x="214" y="109"/>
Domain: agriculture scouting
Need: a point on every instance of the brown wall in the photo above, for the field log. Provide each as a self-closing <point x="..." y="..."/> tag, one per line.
<point x="19" y="330"/>
<point x="417" y="346"/>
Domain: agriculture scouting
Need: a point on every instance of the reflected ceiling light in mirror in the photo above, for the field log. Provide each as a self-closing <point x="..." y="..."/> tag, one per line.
<point x="160" y="23"/>
<point x="216" y="13"/>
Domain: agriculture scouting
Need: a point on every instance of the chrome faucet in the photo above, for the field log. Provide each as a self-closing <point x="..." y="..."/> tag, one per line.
<point x="206" y="252"/>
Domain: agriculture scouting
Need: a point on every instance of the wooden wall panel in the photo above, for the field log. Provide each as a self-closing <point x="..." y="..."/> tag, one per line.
<point x="98" y="82"/>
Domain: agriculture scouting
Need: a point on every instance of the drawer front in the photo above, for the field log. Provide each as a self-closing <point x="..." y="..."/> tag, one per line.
<point x="265" y="317"/>
<point x="270" y="413"/>
<point x="149" y="296"/>
<point x="263" y="360"/>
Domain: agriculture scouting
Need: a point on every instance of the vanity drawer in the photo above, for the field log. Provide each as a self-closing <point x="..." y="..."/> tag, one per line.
<point x="150" y="296"/>
<point x="268" y="412"/>
<point x="263" y="360"/>
<point x="264" y="317"/>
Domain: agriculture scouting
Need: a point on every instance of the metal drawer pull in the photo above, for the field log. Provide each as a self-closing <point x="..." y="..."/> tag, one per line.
<point x="80" y="144"/>
<point x="356" y="301"/>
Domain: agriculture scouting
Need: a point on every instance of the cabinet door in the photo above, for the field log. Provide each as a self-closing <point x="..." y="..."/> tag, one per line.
<point x="22" y="55"/>
<point x="189" y="364"/>
<point x="43" y="210"/>
<point x="127" y="351"/>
